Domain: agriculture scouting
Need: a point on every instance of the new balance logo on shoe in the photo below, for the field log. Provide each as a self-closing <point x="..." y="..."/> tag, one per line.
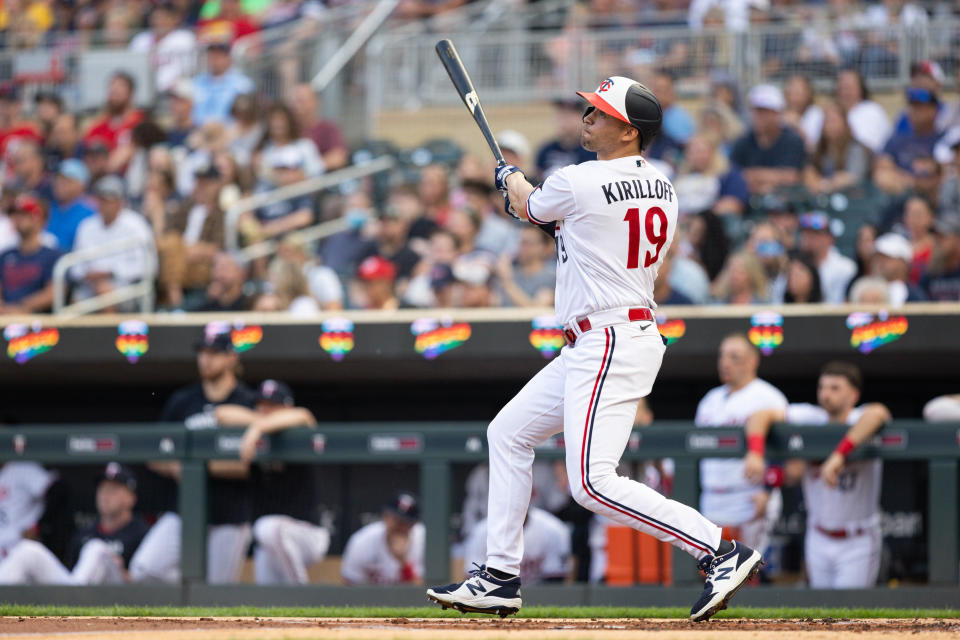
<point x="723" y="574"/>
<point x="474" y="588"/>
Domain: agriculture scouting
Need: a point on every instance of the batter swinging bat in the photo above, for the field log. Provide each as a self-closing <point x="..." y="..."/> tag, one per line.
<point x="461" y="80"/>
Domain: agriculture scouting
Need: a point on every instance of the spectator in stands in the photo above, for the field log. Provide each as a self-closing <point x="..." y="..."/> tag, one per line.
<point x="390" y="235"/>
<point x="803" y="282"/>
<point x="147" y="138"/>
<point x="765" y="245"/>
<point x="942" y="280"/>
<point x="868" y="120"/>
<point x="230" y="498"/>
<point x="180" y="106"/>
<point x="742" y="281"/>
<point x="802" y="112"/>
<point x="891" y="171"/>
<point x="870" y="290"/>
<point x="215" y="90"/>
<point x="322" y="282"/>
<point x="169" y="46"/>
<point x="893" y="259"/>
<point x="286" y="532"/>
<point x="918" y="221"/>
<point x="113" y="222"/>
<point x="835" y="270"/>
<point x="343" y="252"/>
<point x="515" y="148"/>
<point x="433" y="277"/>
<point x="838" y="161"/>
<point x="226" y="291"/>
<point x="497" y="233"/>
<point x="390" y="550"/>
<point x="677" y="122"/>
<point x="13" y="125"/>
<point x="528" y="280"/>
<point x="29" y="171"/>
<point x="706" y="181"/>
<point x="96" y="156"/>
<point x="48" y="106"/>
<point x="26" y="271"/>
<point x="283" y="145"/>
<point x="246" y="130"/>
<point x="225" y="21"/>
<point x="707" y="243"/>
<point x="63" y="141"/>
<point x="663" y="291"/>
<point x="286" y="280"/>
<point x="465" y="225"/>
<point x="473" y="280"/>
<point x="926" y="74"/>
<point x="114" y="126"/>
<point x="434" y="191"/>
<point x="927" y="181"/>
<point x="70" y="205"/>
<point x="564" y="148"/>
<point x="770" y="155"/>
<point x="98" y="554"/>
<point x="377" y="276"/>
<point x="325" y="134"/>
<point x="283" y="216"/>
<point x="190" y="239"/>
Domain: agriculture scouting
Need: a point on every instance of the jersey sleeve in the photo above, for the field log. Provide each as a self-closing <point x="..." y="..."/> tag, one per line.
<point x="352" y="566"/>
<point x="553" y="200"/>
<point x="805" y="414"/>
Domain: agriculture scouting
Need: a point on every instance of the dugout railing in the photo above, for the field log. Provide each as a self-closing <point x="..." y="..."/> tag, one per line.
<point x="435" y="447"/>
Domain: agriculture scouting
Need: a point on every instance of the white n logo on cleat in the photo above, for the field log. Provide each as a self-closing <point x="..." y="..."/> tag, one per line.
<point x="479" y="587"/>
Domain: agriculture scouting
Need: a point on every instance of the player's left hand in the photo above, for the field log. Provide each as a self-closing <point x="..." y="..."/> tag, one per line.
<point x="508" y="207"/>
<point x="248" y="445"/>
<point x="500" y="175"/>
<point x="830" y="470"/>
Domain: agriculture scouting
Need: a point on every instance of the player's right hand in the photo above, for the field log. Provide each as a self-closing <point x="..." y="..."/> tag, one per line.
<point x="500" y="175"/>
<point x="754" y="466"/>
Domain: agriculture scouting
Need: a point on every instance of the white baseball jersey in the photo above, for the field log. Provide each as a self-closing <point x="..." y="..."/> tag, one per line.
<point x="546" y="547"/>
<point x="367" y="558"/>
<point x="615" y="222"/>
<point x="22" y="488"/>
<point x="855" y="501"/>
<point x="726" y="491"/>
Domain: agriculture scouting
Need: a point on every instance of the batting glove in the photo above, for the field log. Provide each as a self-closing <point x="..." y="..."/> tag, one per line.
<point x="508" y="207"/>
<point x="500" y="176"/>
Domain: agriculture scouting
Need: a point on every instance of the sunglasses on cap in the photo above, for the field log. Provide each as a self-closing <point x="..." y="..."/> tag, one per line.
<point x="815" y="222"/>
<point x="917" y="95"/>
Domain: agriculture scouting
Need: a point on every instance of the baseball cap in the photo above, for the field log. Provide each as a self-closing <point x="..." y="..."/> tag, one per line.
<point x="376" y="268"/>
<point x="918" y="95"/>
<point x="772" y="203"/>
<point x="30" y="204"/>
<point x="75" y="170"/>
<point x="287" y="158"/>
<point x="110" y="187"/>
<point x="182" y="89"/>
<point x="766" y="96"/>
<point x="815" y="221"/>
<point x="96" y="144"/>
<point x="221" y="342"/>
<point x="929" y="68"/>
<point x="475" y="272"/>
<point x="441" y="275"/>
<point x="514" y="141"/>
<point x="276" y="392"/>
<point x="894" y="245"/>
<point x="116" y="472"/>
<point x="404" y="505"/>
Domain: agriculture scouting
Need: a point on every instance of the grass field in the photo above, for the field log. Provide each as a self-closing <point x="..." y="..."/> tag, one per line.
<point x="784" y="613"/>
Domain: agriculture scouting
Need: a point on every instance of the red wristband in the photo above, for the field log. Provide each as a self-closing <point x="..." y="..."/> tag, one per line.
<point x="407" y="573"/>
<point x="845" y="447"/>
<point x="756" y="443"/>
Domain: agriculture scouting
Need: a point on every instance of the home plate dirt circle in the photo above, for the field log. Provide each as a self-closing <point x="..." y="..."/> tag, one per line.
<point x="136" y="628"/>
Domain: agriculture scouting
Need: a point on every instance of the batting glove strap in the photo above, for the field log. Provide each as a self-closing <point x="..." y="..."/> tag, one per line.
<point x="508" y="207"/>
<point x="500" y="176"/>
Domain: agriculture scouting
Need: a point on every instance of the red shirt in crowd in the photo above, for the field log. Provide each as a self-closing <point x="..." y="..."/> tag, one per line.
<point x="114" y="131"/>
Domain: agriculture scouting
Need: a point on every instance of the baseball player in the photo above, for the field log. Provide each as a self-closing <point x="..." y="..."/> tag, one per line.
<point x="97" y="555"/>
<point x="614" y="220"/>
<point x="390" y="550"/>
<point x="842" y="543"/>
<point x="288" y="537"/>
<point x="743" y="506"/>
<point x="546" y="547"/>
<point x="230" y="497"/>
<point x="23" y="486"/>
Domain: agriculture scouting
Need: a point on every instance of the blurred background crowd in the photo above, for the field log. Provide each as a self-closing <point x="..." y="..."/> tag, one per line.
<point x="800" y="189"/>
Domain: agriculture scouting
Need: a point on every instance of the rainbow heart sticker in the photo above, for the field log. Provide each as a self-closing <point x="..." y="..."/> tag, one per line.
<point x="24" y="344"/>
<point x="133" y="340"/>
<point x="547" y="335"/>
<point x="337" y="337"/>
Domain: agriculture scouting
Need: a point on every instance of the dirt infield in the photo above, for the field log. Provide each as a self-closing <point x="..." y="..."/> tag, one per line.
<point x="470" y="628"/>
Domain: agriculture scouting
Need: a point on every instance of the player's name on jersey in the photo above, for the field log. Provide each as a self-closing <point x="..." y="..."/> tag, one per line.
<point x="637" y="189"/>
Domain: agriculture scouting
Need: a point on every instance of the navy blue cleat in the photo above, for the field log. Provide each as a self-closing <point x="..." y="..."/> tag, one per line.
<point x="725" y="575"/>
<point x="480" y="593"/>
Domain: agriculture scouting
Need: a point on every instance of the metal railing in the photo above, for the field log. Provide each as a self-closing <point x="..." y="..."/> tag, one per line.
<point x="305" y="187"/>
<point x="142" y="290"/>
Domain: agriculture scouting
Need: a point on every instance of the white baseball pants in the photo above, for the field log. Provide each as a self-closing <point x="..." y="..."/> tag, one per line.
<point x="590" y="393"/>
<point x="30" y="562"/>
<point x="842" y="563"/>
<point x="157" y="559"/>
<point x="286" y="548"/>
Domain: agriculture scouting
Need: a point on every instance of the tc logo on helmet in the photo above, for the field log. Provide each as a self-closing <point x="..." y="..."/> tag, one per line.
<point x="606" y="84"/>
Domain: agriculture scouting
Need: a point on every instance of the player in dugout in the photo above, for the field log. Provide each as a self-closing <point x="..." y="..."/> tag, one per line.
<point x="842" y="497"/>
<point x="287" y="533"/>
